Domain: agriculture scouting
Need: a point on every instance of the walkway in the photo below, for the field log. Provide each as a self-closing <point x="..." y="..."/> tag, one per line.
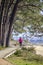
<point x="8" y="51"/>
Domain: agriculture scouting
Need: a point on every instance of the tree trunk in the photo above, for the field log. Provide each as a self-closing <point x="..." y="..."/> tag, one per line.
<point x="1" y="13"/>
<point x="11" y="22"/>
<point x="5" y="15"/>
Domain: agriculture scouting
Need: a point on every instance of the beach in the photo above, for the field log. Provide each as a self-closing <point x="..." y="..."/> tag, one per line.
<point x="39" y="50"/>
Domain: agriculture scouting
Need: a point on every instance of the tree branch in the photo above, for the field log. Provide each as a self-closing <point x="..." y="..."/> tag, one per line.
<point x="32" y="5"/>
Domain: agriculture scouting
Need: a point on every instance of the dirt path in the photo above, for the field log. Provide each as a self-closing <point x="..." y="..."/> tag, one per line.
<point x="4" y="62"/>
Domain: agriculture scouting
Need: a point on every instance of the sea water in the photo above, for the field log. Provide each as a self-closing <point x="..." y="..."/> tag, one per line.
<point x="27" y="36"/>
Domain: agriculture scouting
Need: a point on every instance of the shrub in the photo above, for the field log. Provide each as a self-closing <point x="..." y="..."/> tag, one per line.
<point x="24" y="48"/>
<point x="30" y="48"/>
<point x="18" y="53"/>
<point x="38" y="58"/>
<point x="34" y="57"/>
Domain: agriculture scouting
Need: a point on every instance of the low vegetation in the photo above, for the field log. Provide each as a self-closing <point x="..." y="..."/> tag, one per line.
<point x="1" y="48"/>
<point x="26" y="56"/>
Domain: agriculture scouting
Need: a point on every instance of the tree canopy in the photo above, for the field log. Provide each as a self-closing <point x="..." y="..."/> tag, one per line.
<point x="17" y="12"/>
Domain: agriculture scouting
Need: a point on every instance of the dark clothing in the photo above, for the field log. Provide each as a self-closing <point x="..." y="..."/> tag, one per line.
<point x="20" y="43"/>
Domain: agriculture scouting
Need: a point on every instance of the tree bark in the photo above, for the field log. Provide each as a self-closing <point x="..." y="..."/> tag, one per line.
<point x="11" y="22"/>
<point x="5" y="17"/>
<point x="1" y="13"/>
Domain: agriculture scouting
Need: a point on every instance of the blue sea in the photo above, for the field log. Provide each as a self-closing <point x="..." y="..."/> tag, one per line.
<point x="36" y="40"/>
<point x="27" y="36"/>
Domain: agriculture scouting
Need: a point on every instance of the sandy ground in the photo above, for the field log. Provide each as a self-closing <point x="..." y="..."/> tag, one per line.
<point x="39" y="50"/>
<point x="4" y="62"/>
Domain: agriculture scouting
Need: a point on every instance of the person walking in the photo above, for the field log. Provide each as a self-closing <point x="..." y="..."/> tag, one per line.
<point x="20" y="41"/>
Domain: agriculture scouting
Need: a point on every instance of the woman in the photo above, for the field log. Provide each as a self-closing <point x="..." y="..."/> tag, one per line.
<point x="20" y="41"/>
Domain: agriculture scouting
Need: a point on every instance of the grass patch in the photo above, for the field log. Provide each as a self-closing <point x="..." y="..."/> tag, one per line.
<point x="1" y="48"/>
<point x="26" y="56"/>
